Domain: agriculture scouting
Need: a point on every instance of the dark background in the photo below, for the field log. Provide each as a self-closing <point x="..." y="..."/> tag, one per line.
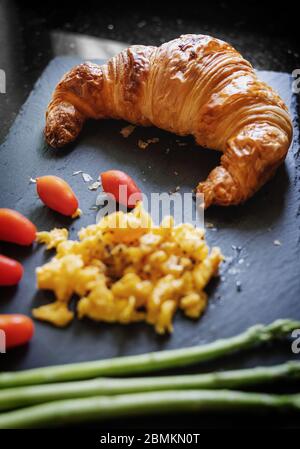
<point x="266" y="34"/>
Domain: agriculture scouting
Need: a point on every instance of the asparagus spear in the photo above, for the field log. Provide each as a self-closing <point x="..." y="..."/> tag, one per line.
<point x="137" y="404"/>
<point x="24" y="396"/>
<point x="154" y="361"/>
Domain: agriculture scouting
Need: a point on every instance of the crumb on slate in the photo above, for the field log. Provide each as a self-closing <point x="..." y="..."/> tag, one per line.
<point x="177" y="188"/>
<point x="127" y="130"/>
<point x="238" y="285"/>
<point x="86" y="177"/>
<point x="142" y="144"/>
<point x="95" y="185"/>
<point x="153" y="140"/>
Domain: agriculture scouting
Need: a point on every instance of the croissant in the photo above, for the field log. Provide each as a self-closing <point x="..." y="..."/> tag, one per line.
<point x="194" y="85"/>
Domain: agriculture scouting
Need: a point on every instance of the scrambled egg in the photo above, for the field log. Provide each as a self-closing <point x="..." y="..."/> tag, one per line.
<point x="126" y="269"/>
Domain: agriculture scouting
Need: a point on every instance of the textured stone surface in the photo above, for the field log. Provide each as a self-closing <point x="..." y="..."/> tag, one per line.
<point x="268" y="275"/>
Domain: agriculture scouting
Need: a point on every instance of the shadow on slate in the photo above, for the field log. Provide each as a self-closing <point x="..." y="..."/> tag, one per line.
<point x="267" y="274"/>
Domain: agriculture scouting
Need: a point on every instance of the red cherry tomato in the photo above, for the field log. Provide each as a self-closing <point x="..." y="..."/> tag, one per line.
<point x="57" y="194"/>
<point x="18" y="329"/>
<point x="11" y="271"/>
<point x="122" y="187"/>
<point x="16" y="228"/>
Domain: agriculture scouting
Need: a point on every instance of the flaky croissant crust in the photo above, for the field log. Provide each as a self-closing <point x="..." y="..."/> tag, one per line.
<point x="195" y="85"/>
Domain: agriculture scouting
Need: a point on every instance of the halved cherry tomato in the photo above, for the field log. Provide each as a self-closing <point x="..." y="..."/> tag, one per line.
<point x="16" y="228"/>
<point x="18" y="329"/>
<point x="11" y="271"/>
<point x="57" y="194"/>
<point x="113" y="182"/>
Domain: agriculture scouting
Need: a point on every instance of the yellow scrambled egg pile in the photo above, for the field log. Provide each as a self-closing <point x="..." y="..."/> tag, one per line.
<point x="126" y="269"/>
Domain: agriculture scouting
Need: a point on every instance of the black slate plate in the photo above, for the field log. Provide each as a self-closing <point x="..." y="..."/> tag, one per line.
<point x="268" y="274"/>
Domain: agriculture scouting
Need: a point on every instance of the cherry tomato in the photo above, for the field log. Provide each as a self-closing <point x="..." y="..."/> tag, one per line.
<point x="16" y="228"/>
<point x="11" y="271"/>
<point x="18" y="329"/>
<point x="57" y="194"/>
<point x="112" y="180"/>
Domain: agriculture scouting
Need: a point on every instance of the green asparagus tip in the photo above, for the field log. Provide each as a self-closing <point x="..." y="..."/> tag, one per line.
<point x="281" y="327"/>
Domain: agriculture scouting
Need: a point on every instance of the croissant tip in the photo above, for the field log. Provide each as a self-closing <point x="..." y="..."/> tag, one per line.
<point x="53" y="140"/>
